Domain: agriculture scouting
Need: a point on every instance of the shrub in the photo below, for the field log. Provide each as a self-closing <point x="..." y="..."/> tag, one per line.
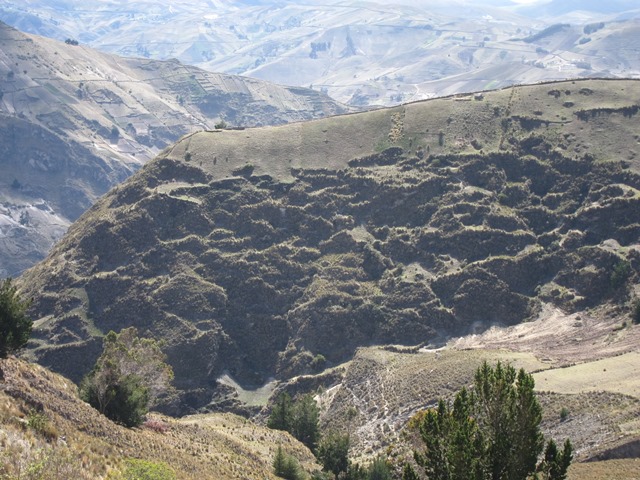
<point x="564" y="413"/>
<point x="145" y="470"/>
<point x="15" y="325"/>
<point x="39" y="422"/>
<point x="379" y="470"/>
<point x="318" y="362"/>
<point x="620" y="274"/>
<point x="635" y="311"/>
<point x="129" y="376"/>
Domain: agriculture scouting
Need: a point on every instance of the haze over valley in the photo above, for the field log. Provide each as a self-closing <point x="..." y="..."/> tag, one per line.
<point x="361" y="53"/>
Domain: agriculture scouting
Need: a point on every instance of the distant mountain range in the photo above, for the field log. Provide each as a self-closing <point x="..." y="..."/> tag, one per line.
<point x="362" y="53"/>
<point x="74" y="122"/>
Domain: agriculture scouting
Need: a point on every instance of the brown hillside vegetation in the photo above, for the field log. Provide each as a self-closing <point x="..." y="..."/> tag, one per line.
<point x="43" y="424"/>
<point x="274" y="252"/>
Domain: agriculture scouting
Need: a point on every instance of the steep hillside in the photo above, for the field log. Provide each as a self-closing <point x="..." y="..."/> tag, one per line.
<point x="44" y="427"/>
<point x="273" y="252"/>
<point x="363" y="53"/>
<point x="74" y="122"/>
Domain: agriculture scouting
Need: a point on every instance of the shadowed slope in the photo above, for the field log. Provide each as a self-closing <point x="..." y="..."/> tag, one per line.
<point x="267" y="252"/>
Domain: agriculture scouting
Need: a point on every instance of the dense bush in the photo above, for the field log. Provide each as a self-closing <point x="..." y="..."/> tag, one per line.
<point x="124" y="400"/>
<point x="129" y="376"/>
<point x="15" y="325"/>
<point x="620" y="274"/>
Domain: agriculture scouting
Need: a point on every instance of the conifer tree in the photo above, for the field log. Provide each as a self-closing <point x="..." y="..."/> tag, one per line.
<point x="491" y="432"/>
<point x="286" y="466"/>
<point x="306" y="421"/>
<point x="333" y="453"/>
<point x="281" y="417"/>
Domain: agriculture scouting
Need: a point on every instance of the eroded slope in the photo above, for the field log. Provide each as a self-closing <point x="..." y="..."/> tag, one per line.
<point x="276" y="252"/>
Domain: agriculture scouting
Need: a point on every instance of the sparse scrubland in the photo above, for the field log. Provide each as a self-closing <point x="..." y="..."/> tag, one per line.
<point x="75" y="122"/>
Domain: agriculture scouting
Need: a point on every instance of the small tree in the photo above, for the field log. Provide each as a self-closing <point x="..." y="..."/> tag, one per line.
<point x="555" y="463"/>
<point x="306" y="420"/>
<point x="130" y="375"/>
<point x="333" y="453"/>
<point x="15" y="325"/>
<point x="492" y="432"/>
<point x="286" y="466"/>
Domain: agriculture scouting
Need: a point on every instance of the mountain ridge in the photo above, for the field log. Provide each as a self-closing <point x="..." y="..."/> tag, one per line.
<point x="362" y="54"/>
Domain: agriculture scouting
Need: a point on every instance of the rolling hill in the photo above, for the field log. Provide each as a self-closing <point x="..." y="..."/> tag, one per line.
<point x="278" y="251"/>
<point x="74" y="122"/>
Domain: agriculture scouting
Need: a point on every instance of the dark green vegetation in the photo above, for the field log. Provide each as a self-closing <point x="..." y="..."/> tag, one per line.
<point x="286" y="466"/>
<point x="491" y="431"/>
<point x="300" y="418"/>
<point x="129" y="376"/>
<point x="15" y="324"/>
<point x="271" y="247"/>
